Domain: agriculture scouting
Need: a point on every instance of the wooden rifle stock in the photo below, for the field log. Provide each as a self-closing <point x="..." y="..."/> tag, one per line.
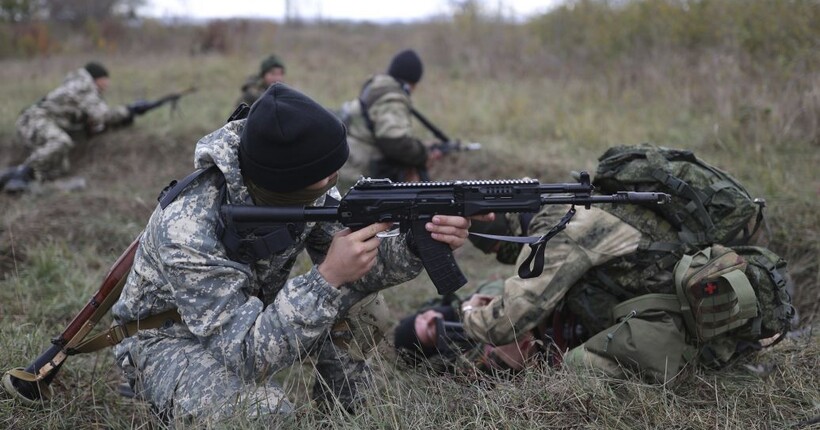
<point x="29" y="384"/>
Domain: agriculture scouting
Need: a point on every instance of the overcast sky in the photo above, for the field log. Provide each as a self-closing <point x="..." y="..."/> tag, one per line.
<point x="370" y="10"/>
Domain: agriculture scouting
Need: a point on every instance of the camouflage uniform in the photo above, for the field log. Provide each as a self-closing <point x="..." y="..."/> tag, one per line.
<point x="596" y="263"/>
<point x="252" y="89"/>
<point x="241" y="323"/>
<point x="74" y="106"/>
<point x="389" y="148"/>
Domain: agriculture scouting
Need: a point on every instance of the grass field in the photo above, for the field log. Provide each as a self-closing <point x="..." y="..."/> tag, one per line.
<point x="537" y="113"/>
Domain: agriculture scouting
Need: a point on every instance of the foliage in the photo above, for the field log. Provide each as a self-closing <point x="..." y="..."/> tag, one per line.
<point x="601" y="30"/>
<point x="19" y="10"/>
<point x="541" y="106"/>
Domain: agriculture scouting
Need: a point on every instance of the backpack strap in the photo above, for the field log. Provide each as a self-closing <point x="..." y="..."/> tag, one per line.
<point x="695" y="206"/>
<point x="170" y="192"/>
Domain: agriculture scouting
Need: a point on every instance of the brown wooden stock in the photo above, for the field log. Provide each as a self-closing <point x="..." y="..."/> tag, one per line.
<point x="120" y="269"/>
<point x="32" y="383"/>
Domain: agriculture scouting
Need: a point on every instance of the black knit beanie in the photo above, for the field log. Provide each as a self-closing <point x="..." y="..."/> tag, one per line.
<point x="406" y="66"/>
<point x="405" y="332"/>
<point x="96" y="70"/>
<point x="290" y="141"/>
<point x="269" y="63"/>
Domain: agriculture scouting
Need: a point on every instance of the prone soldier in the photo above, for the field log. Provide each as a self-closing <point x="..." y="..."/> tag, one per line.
<point x="46" y="127"/>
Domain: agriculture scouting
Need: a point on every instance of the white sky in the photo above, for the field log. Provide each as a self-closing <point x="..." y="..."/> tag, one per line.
<point x="370" y="10"/>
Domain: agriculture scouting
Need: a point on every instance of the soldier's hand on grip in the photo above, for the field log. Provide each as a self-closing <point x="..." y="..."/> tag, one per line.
<point x="352" y="254"/>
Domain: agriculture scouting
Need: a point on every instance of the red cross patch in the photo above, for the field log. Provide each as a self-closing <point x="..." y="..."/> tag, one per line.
<point x="709" y="288"/>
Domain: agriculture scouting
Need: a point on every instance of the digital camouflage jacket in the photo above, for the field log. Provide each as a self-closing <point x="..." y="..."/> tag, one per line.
<point x="253" y="318"/>
<point x="77" y="105"/>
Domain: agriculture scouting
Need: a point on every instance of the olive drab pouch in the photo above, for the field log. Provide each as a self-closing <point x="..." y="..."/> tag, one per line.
<point x="708" y="205"/>
<point x="730" y="315"/>
<point x="714" y="293"/>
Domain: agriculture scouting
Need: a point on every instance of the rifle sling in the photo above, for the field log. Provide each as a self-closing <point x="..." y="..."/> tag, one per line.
<point x="117" y="333"/>
<point x="114" y="335"/>
<point x="533" y="266"/>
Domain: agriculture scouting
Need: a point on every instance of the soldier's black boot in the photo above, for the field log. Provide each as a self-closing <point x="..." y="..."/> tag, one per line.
<point x="18" y="180"/>
<point x="5" y="174"/>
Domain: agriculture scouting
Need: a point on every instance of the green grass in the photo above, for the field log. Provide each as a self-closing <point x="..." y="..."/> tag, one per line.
<point x="536" y="116"/>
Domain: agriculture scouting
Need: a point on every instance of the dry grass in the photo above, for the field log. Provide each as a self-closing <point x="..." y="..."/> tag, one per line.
<point x="538" y="114"/>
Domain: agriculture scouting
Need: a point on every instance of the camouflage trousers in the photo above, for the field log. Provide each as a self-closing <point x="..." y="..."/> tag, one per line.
<point x="171" y="369"/>
<point x="49" y="144"/>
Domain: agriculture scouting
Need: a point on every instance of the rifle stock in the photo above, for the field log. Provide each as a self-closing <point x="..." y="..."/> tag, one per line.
<point x="30" y="384"/>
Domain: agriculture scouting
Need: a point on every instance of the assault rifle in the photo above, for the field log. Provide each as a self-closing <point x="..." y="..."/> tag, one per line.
<point x="445" y="144"/>
<point x="140" y="107"/>
<point x="412" y="204"/>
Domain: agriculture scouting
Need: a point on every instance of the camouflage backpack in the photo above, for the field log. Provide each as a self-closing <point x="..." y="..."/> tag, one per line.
<point x="732" y="301"/>
<point x="708" y="205"/>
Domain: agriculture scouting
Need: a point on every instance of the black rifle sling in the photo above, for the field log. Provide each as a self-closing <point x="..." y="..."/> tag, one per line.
<point x="241" y="112"/>
<point x="246" y="245"/>
<point x="170" y="193"/>
<point x="533" y="266"/>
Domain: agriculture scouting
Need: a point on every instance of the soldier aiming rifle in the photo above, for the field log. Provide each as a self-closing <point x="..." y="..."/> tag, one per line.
<point x="76" y="106"/>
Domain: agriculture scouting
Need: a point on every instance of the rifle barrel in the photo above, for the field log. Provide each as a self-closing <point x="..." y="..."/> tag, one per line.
<point x="273" y="214"/>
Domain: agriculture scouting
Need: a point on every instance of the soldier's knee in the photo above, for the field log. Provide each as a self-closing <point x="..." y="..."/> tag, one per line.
<point x="365" y="323"/>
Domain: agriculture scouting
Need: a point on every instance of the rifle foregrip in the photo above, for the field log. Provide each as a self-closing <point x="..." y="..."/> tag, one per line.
<point x="438" y="260"/>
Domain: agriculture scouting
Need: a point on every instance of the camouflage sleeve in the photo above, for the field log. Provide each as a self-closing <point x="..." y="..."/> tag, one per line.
<point x="252" y="89"/>
<point x="393" y="131"/>
<point x="214" y="296"/>
<point x="394" y="265"/>
<point x="593" y="237"/>
<point x="99" y="113"/>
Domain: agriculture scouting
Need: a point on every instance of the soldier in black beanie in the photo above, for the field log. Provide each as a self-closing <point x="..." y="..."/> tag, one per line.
<point x="244" y="315"/>
<point x="380" y="135"/>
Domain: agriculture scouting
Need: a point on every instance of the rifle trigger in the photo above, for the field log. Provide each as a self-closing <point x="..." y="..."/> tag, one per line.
<point x="393" y="232"/>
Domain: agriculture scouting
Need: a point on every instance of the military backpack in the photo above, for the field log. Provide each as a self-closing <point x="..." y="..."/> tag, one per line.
<point x="732" y="298"/>
<point x="708" y="205"/>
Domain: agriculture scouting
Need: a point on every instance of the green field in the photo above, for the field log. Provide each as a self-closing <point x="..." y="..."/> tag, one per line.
<point x="541" y="106"/>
